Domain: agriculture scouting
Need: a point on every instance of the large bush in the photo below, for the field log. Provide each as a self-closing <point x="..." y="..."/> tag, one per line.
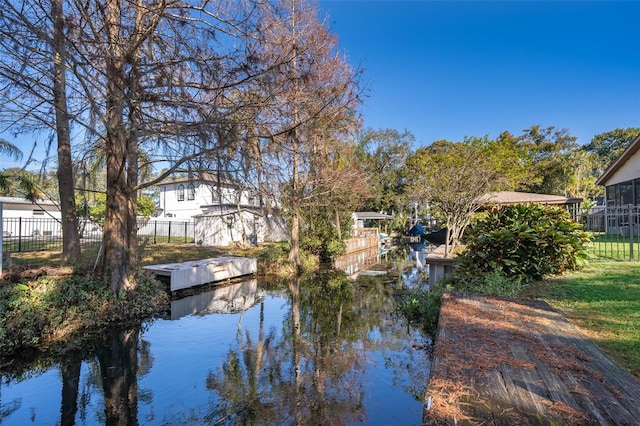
<point x="524" y="243"/>
<point x="64" y="313"/>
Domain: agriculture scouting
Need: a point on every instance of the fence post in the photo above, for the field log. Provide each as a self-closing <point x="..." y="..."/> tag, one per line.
<point x="20" y="234"/>
<point x="169" y="233"/>
<point x="630" y="221"/>
<point x="185" y="231"/>
<point x="155" y="231"/>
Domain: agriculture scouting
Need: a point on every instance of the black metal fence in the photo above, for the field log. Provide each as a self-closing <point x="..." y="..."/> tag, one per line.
<point x="616" y="232"/>
<point x="36" y="234"/>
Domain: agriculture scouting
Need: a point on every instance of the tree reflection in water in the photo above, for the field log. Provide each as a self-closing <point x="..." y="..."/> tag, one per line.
<point x="118" y="366"/>
<point x="318" y="350"/>
<point x="70" y="372"/>
<point x="312" y="372"/>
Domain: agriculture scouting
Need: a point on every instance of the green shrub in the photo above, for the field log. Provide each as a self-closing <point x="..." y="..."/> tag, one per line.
<point x="491" y="283"/>
<point x="421" y="306"/>
<point x="274" y="260"/>
<point x="63" y="312"/>
<point x="505" y="249"/>
<point x="523" y="242"/>
<point x="274" y="253"/>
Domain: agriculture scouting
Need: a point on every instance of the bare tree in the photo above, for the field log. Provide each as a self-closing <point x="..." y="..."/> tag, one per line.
<point x="70" y="235"/>
<point x="163" y="79"/>
<point x="152" y="77"/>
<point x="34" y="77"/>
<point x="178" y="80"/>
<point x="314" y="97"/>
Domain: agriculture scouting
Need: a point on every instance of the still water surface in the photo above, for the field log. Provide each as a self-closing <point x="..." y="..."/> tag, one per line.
<point x="318" y="351"/>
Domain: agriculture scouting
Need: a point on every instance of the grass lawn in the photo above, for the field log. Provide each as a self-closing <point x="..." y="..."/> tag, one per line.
<point x="614" y="247"/>
<point x="150" y="254"/>
<point x="603" y="300"/>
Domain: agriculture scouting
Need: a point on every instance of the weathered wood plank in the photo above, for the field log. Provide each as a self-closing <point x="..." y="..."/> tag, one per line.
<point x="617" y="393"/>
<point x="502" y="362"/>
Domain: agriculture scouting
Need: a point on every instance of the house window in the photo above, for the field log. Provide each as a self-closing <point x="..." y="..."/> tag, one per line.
<point x="191" y="192"/>
<point x="181" y="193"/>
<point x="611" y="195"/>
<point x="626" y="193"/>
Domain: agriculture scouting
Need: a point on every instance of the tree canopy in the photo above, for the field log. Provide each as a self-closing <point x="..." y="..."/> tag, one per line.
<point x="452" y="176"/>
<point x="608" y="146"/>
<point x="258" y="86"/>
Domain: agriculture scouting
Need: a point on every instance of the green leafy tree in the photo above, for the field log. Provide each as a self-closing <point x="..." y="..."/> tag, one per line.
<point x="508" y="157"/>
<point x="16" y="182"/>
<point x="146" y="206"/>
<point x="452" y="176"/>
<point x="609" y="145"/>
<point x="98" y="209"/>
<point x="383" y="154"/>
<point x="547" y="156"/>
<point x="583" y="175"/>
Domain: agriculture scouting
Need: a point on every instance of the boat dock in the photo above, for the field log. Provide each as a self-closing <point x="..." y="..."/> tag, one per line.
<point x="503" y="362"/>
<point x="198" y="272"/>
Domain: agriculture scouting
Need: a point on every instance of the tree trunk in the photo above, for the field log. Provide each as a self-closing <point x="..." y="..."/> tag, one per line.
<point x="70" y="236"/>
<point x="116" y="247"/>
<point x="133" y="163"/>
<point x="294" y="251"/>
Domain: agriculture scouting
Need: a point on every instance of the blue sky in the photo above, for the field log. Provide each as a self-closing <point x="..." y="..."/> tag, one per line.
<point x="450" y="69"/>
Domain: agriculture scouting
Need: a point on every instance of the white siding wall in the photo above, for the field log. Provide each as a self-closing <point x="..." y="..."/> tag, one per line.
<point x="628" y="171"/>
<point x="226" y="229"/>
<point x="205" y="194"/>
<point x="30" y="211"/>
<point x="184" y="208"/>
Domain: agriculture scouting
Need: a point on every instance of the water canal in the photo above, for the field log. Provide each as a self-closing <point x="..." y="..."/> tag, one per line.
<point x="325" y="350"/>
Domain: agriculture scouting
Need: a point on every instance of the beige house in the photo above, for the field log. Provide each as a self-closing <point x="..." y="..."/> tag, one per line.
<point x="622" y="179"/>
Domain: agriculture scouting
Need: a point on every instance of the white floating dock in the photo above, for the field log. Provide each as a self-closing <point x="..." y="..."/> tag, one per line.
<point x="197" y="272"/>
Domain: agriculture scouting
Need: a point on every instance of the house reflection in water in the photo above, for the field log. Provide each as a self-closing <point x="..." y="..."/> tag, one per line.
<point x="223" y="299"/>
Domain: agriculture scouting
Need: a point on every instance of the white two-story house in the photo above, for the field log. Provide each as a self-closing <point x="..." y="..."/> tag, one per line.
<point x="193" y="194"/>
<point x="223" y="212"/>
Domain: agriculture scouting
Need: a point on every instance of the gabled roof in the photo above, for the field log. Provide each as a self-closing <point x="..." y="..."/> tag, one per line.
<point x="371" y="215"/>
<point x="510" y="197"/>
<point x="207" y="177"/>
<point x="615" y="166"/>
<point x="22" y="201"/>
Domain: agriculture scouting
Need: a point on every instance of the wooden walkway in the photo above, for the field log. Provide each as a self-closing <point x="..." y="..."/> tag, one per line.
<point x="516" y="362"/>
